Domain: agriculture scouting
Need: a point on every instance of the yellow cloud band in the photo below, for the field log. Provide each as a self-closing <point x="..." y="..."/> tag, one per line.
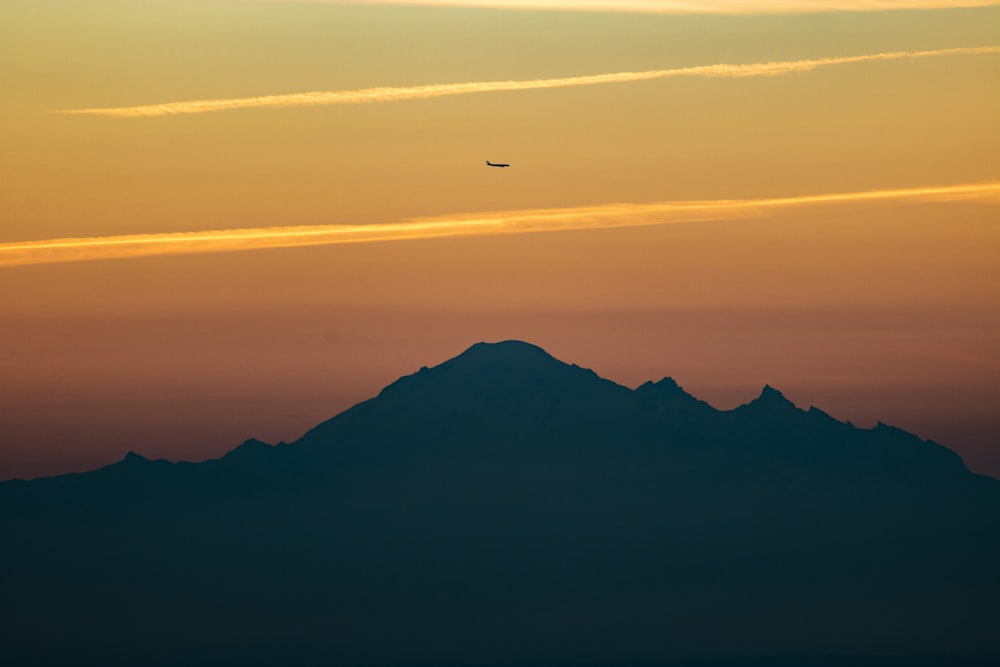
<point x="503" y="222"/>
<point x="691" y="6"/>
<point x="395" y="94"/>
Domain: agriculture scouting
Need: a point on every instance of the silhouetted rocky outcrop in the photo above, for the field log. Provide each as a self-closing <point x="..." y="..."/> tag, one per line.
<point x="507" y="508"/>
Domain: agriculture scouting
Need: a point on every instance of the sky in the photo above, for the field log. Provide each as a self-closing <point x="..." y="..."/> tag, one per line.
<point x="229" y="219"/>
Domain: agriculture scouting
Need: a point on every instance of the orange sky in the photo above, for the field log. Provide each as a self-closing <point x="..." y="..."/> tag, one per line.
<point x="870" y="307"/>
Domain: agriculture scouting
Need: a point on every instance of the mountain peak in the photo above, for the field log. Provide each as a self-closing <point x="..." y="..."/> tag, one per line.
<point x="505" y="366"/>
<point x="509" y="385"/>
<point x="770" y="399"/>
<point x="510" y="345"/>
<point x="249" y="448"/>
<point x="517" y="362"/>
<point x="131" y="458"/>
<point x="770" y="394"/>
<point x="507" y="350"/>
<point x="667" y="383"/>
<point x="128" y="464"/>
<point x="667" y="387"/>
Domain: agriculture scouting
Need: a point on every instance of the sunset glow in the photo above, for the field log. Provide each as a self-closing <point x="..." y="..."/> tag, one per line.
<point x="233" y="219"/>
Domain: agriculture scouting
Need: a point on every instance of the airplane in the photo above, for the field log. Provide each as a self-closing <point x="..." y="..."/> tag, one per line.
<point x="496" y="164"/>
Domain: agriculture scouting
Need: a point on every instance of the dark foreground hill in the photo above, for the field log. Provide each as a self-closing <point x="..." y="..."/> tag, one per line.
<point x="505" y="508"/>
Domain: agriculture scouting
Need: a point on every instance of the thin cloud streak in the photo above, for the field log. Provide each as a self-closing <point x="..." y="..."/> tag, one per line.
<point x="692" y="6"/>
<point x="604" y="216"/>
<point x="396" y="94"/>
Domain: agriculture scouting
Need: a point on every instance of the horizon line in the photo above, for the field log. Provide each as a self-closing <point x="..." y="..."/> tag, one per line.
<point x="427" y="91"/>
<point x="602" y="216"/>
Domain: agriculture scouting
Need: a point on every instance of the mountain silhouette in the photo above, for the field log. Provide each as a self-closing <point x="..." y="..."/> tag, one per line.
<point x="506" y="508"/>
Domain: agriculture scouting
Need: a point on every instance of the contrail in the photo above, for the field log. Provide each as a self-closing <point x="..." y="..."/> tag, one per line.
<point x="503" y="222"/>
<point x="396" y="94"/>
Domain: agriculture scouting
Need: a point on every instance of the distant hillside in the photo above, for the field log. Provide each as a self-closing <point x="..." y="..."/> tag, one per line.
<point x="506" y="508"/>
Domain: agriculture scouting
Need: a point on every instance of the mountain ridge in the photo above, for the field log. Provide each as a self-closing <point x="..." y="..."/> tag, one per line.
<point x="528" y="361"/>
<point x="505" y="506"/>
